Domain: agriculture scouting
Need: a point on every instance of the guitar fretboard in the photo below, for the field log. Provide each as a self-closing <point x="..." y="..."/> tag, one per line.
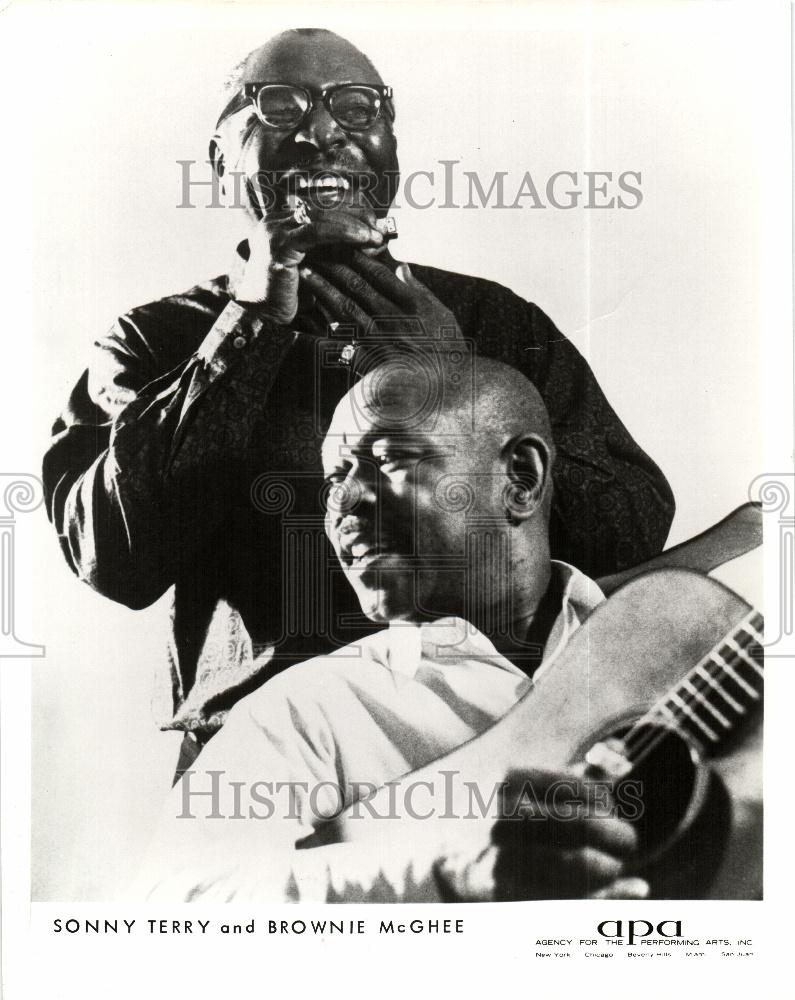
<point x="717" y="695"/>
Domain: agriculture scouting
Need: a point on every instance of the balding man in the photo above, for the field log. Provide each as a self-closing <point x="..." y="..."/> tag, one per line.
<point x="190" y="400"/>
<point x="438" y="509"/>
<point x="425" y="473"/>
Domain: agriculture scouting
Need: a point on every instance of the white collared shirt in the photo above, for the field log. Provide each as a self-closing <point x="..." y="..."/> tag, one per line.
<point x="326" y="732"/>
<point x="383" y="706"/>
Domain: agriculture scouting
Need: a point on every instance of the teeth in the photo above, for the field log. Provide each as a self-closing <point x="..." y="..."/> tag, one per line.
<point x="323" y="182"/>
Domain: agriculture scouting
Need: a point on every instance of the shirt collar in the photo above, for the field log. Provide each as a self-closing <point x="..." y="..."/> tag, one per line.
<point x="580" y="596"/>
<point x="404" y="644"/>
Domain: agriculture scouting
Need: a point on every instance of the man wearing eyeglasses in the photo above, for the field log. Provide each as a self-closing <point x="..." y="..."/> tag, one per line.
<point x="192" y="442"/>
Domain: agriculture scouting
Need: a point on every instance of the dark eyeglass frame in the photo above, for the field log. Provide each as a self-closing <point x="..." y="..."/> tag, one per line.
<point x="250" y="91"/>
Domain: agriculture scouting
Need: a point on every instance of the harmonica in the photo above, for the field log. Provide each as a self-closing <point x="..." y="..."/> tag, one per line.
<point x="300" y="214"/>
<point x="387" y="228"/>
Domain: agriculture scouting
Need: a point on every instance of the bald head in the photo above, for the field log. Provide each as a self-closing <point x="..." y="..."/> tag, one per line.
<point x="491" y="399"/>
<point x="275" y="57"/>
<point x="440" y="489"/>
<point x="507" y="403"/>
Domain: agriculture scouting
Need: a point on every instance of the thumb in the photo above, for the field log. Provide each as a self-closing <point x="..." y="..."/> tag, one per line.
<point x="423" y="293"/>
<point x="403" y="272"/>
<point x="624" y="888"/>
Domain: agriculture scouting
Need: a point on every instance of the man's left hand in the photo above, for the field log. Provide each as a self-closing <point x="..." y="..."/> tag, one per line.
<point x="382" y="308"/>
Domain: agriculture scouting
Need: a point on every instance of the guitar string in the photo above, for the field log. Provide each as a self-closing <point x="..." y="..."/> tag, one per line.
<point x="654" y="726"/>
<point x="646" y="738"/>
<point x="646" y="733"/>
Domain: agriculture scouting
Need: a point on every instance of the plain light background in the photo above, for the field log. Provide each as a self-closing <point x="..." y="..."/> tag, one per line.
<point x="667" y="301"/>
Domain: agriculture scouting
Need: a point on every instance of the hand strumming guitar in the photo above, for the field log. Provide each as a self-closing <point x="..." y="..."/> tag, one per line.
<point x="546" y="845"/>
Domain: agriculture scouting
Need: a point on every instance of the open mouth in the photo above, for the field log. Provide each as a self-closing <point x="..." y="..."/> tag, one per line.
<point x="325" y="189"/>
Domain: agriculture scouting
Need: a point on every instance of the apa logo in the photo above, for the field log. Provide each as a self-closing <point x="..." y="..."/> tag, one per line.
<point x="637" y="929"/>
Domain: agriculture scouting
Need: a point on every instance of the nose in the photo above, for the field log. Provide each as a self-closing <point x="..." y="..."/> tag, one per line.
<point x="355" y="493"/>
<point x="320" y="129"/>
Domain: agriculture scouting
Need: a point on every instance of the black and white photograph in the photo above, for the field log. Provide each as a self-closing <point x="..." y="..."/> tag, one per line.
<point x="405" y="393"/>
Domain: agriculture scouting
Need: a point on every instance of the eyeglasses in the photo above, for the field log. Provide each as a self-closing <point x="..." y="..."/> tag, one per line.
<point x="354" y="106"/>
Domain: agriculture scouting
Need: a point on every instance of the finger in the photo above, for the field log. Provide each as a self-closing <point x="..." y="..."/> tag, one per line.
<point x="612" y="834"/>
<point x="594" y="866"/>
<point x="568" y="833"/>
<point x="546" y="873"/>
<point x="259" y="238"/>
<point x="584" y="866"/>
<point x="517" y="780"/>
<point x="279" y="217"/>
<point x="336" y="227"/>
<point x="387" y="283"/>
<point x="564" y="809"/>
<point x="541" y="794"/>
<point x="624" y="888"/>
<point x="541" y="780"/>
<point x="316" y="211"/>
<point x="405" y="275"/>
<point x="339" y="306"/>
<point x="364" y="213"/>
<point x="357" y="287"/>
<point x="462" y="878"/>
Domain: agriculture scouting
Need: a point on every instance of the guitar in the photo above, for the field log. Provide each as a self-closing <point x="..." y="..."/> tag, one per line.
<point x="661" y="686"/>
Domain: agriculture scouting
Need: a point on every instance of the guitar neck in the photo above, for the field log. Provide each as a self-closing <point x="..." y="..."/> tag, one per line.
<point x="718" y="694"/>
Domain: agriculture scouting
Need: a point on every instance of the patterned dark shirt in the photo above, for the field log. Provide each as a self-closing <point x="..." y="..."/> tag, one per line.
<point x="188" y="457"/>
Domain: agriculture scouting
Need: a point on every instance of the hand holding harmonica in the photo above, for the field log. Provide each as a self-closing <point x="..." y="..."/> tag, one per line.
<point x="280" y="242"/>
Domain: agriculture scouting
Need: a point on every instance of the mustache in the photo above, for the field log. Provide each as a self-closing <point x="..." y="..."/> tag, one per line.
<point x="308" y="159"/>
<point x="352" y="530"/>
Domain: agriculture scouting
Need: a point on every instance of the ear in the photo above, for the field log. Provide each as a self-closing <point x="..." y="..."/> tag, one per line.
<point x="529" y="466"/>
